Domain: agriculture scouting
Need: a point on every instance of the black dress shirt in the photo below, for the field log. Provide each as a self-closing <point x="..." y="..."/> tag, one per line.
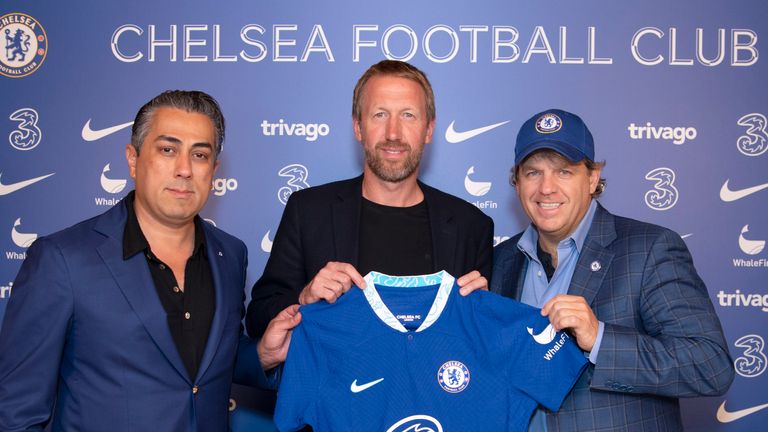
<point x="189" y="312"/>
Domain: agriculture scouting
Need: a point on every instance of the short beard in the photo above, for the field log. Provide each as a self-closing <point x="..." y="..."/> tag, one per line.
<point x="384" y="171"/>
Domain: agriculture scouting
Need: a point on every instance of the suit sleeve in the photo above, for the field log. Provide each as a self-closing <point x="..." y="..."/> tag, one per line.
<point x="682" y="351"/>
<point x="284" y="276"/>
<point x="485" y="250"/>
<point x="33" y="336"/>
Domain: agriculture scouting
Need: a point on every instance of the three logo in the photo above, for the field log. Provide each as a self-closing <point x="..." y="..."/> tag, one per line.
<point x="664" y="194"/>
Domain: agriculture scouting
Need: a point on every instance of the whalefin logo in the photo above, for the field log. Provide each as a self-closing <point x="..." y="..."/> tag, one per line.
<point x="545" y="337"/>
<point x="473" y="187"/>
<point x="454" y="137"/>
<point x="6" y="189"/>
<point x="89" y="134"/>
<point x="112" y="186"/>
<point x="26" y="45"/>
<point x="728" y="195"/>
<point x="750" y="247"/>
<point x="266" y="243"/>
<point x="725" y="416"/>
<point x="417" y="423"/>
<point x="23" y="240"/>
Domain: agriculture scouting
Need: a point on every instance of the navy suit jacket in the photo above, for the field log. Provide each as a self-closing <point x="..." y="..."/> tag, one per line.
<point x="85" y="332"/>
<point x="322" y="224"/>
<point x="662" y="339"/>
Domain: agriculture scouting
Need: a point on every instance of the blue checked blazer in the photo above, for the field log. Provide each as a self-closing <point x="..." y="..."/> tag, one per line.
<point x="662" y="338"/>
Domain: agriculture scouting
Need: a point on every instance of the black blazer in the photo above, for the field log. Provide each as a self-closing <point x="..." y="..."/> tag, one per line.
<point x="321" y="224"/>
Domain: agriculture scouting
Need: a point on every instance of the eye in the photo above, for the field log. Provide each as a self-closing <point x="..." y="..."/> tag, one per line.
<point x="564" y="172"/>
<point x="167" y="150"/>
<point x="409" y="115"/>
<point x="532" y="173"/>
<point x="201" y="155"/>
<point x="380" y="114"/>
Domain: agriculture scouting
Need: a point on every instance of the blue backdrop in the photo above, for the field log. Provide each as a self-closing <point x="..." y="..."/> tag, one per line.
<point x="674" y="93"/>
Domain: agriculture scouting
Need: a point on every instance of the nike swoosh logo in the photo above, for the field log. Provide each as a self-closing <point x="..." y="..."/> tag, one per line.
<point x="725" y="416"/>
<point x="728" y="195"/>
<point x="6" y="189"/>
<point x="358" y="388"/>
<point x="89" y="134"/>
<point x="454" y="137"/>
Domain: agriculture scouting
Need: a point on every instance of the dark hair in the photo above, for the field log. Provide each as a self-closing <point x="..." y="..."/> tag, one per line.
<point x="399" y="69"/>
<point x="189" y="101"/>
<point x="550" y="154"/>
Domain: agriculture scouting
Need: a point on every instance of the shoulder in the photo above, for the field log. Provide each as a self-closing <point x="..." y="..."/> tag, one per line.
<point x="328" y="191"/>
<point x="459" y="207"/>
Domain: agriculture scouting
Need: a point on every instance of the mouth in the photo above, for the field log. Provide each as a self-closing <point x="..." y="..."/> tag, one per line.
<point x="180" y="193"/>
<point x="393" y="151"/>
<point x="549" y="205"/>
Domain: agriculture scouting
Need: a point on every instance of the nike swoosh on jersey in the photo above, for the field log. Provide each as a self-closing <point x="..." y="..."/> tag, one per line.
<point x="89" y="134"/>
<point x="728" y="195"/>
<point x="454" y="137"/>
<point x="725" y="416"/>
<point x="358" y="388"/>
<point x="13" y="187"/>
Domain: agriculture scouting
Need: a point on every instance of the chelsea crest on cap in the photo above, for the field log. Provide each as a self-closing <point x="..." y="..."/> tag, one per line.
<point x="557" y="130"/>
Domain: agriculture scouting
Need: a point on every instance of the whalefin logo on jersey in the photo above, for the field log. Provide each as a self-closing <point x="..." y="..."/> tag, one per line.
<point x="26" y="45"/>
<point x="23" y="240"/>
<point x="545" y="337"/>
<point x="474" y="187"/>
<point x="453" y="376"/>
<point x="112" y="186"/>
<point x="417" y="423"/>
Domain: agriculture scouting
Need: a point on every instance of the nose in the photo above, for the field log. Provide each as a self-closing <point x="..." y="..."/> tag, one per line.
<point x="548" y="184"/>
<point x="393" y="129"/>
<point x="183" y="166"/>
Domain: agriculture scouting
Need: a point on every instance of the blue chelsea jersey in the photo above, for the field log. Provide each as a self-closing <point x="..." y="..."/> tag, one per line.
<point x="411" y="354"/>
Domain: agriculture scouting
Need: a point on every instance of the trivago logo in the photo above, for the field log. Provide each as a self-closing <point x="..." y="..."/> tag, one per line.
<point x="739" y="299"/>
<point x="220" y="186"/>
<point x="310" y="131"/>
<point x="677" y="134"/>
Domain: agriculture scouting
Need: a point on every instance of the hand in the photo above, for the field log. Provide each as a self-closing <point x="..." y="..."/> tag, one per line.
<point x="273" y="346"/>
<point x="472" y="281"/>
<point x="573" y="313"/>
<point x="330" y="283"/>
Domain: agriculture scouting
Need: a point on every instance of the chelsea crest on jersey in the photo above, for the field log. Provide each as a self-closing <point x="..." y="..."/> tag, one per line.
<point x="411" y="354"/>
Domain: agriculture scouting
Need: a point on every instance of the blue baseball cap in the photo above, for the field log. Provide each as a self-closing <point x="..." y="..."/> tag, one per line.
<point x="557" y="130"/>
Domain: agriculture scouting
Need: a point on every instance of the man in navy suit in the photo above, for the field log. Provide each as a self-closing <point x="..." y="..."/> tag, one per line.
<point x="130" y="321"/>
<point x="626" y="290"/>
<point x="385" y="220"/>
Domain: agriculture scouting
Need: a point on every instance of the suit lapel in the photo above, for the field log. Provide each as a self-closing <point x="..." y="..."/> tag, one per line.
<point x="444" y="238"/>
<point x="135" y="281"/>
<point x="222" y="281"/>
<point x="595" y="258"/>
<point x="346" y="222"/>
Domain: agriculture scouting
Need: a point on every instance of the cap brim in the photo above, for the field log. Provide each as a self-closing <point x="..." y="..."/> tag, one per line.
<point x="565" y="149"/>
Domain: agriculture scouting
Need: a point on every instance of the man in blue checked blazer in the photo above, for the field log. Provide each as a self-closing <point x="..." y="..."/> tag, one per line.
<point x="626" y="290"/>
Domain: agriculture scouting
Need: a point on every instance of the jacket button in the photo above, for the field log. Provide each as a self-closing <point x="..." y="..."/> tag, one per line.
<point x="195" y="389"/>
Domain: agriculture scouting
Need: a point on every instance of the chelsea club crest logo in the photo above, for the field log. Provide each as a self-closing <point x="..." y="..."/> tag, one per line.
<point x="548" y="123"/>
<point x="453" y="376"/>
<point x="26" y="45"/>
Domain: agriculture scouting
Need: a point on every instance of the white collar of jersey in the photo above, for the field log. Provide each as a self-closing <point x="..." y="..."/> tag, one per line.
<point x="443" y="278"/>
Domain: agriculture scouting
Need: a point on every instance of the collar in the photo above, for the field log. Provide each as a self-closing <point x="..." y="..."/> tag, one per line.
<point x="528" y="242"/>
<point x="381" y="310"/>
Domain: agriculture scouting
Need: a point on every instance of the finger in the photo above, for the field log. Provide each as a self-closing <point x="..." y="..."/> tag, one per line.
<point x="354" y="276"/>
<point x="469" y="277"/>
<point x="480" y="283"/>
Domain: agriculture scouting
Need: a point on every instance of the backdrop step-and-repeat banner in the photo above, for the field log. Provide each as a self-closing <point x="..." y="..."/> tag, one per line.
<point x="675" y="94"/>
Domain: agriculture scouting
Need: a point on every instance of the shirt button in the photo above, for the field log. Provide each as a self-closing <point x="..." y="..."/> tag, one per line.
<point x="176" y="289"/>
<point x="410" y="337"/>
<point x="162" y="266"/>
<point x="195" y="389"/>
<point x="539" y="273"/>
<point x="187" y="315"/>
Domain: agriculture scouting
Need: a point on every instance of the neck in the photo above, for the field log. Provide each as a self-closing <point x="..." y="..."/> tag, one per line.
<point x="164" y="237"/>
<point x="401" y="194"/>
<point x="549" y="245"/>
